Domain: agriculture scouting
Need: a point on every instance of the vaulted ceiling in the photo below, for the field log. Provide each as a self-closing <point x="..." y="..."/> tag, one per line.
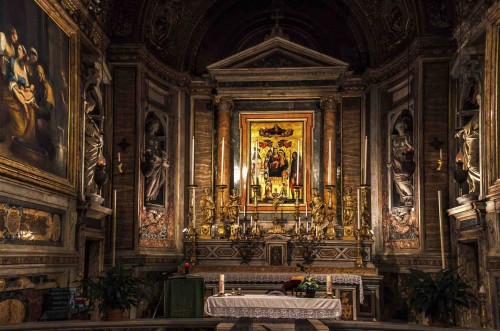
<point x="191" y="34"/>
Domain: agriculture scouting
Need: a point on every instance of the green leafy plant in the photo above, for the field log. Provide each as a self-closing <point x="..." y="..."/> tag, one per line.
<point x="115" y="288"/>
<point x="308" y="285"/>
<point x="437" y="294"/>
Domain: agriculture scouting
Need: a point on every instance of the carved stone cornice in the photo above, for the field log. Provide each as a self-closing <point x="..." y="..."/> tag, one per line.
<point x="225" y="104"/>
<point x="87" y="18"/>
<point x="137" y="53"/>
<point x="421" y="47"/>
<point x="201" y="87"/>
<point x="473" y="22"/>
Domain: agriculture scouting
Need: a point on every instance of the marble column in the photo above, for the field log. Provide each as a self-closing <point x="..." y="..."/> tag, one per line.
<point x="225" y="105"/>
<point x="329" y="105"/>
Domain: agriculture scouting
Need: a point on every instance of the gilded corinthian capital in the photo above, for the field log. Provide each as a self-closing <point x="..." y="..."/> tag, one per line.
<point x="225" y="104"/>
<point x="329" y="102"/>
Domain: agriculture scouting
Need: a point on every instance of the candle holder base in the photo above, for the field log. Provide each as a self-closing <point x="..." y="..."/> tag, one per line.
<point x="221" y="231"/>
<point x="349" y="233"/>
<point x="222" y="294"/>
<point x="366" y="233"/>
<point x="330" y="232"/>
<point x="191" y="232"/>
<point x="235" y="232"/>
<point x="329" y="296"/>
<point x="205" y="231"/>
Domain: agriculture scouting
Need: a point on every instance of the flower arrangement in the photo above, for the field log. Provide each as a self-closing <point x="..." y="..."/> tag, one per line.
<point x="308" y="285"/>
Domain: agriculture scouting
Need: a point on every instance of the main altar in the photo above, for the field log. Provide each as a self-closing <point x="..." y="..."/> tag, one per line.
<point x="286" y="193"/>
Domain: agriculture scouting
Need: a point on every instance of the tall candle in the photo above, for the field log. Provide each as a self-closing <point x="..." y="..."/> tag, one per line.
<point x="329" y="161"/>
<point x="307" y="227"/>
<point x="191" y="178"/>
<point x="221" y="283"/>
<point x="359" y="208"/>
<point x="440" y="153"/>
<point x="298" y="163"/>
<point x="251" y="221"/>
<point x="298" y="226"/>
<point x="119" y="159"/>
<point x="194" y="208"/>
<point x="328" y="284"/>
<point x="245" y="211"/>
<point x="255" y="161"/>
<point x="441" y="232"/>
<point x="222" y="164"/>
<point x="306" y="208"/>
<point x="365" y="160"/>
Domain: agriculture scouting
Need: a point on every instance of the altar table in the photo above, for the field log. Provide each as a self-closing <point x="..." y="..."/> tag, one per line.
<point x="272" y="306"/>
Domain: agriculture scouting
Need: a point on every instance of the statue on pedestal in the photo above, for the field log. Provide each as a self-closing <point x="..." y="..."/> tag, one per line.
<point x="207" y="206"/>
<point x="233" y="206"/>
<point x="402" y="162"/>
<point x="317" y="207"/>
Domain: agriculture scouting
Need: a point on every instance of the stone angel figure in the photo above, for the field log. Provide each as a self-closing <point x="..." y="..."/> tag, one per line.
<point x="402" y="162"/>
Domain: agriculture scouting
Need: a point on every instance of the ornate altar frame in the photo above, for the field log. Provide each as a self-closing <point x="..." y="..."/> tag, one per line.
<point x="252" y="122"/>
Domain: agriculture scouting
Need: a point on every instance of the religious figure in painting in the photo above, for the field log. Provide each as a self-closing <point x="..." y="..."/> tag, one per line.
<point x="402" y="163"/>
<point x="207" y="206"/>
<point x="317" y="207"/>
<point x="349" y="207"/>
<point x="469" y="135"/>
<point x="155" y="162"/>
<point x="275" y="131"/>
<point x="233" y="206"/>
<point x="276" y="162"/>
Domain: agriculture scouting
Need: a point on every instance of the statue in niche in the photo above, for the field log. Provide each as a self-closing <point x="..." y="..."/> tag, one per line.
<point x="402" y="163"/>
<point x="317" y="207"/>
<point x="349" y="206"/>
<point x="233" y="206"/>
<point x="469" y="137"/>
<point x="154" y="163"/>
<point x="207" y="206"/>
<point x="93" y="107"/>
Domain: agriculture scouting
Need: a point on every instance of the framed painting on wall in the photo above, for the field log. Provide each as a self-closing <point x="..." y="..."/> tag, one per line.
<point x="38" y="112"/>
<point x="276" y="156"/>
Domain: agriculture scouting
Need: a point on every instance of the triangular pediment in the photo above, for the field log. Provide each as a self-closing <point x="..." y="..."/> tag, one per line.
<point x="275" y="58"/>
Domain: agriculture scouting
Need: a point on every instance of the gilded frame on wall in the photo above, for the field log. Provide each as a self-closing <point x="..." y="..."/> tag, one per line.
<point x="272" y="165"/>
<point x="38" y="95"/>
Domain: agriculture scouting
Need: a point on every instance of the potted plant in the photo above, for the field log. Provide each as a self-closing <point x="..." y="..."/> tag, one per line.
<point x="437" y="294"/>
<point x="309" y="286"/>
<point x="114" y="291"/>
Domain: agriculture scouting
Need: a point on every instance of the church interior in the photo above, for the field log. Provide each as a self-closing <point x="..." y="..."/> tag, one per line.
<point x="342" y="152"/>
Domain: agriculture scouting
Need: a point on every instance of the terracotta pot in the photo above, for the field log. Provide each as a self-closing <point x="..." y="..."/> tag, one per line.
<point x="113" y="314"/>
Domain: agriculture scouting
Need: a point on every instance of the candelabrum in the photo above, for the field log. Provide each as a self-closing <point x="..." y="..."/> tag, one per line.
<point x="247" y="243"/>
<point x="296" y="213"/>
<point x="192" y="213"/>
<point x="308" y="247"/>
<point x="330" y="214"/>
<point x="221" y="230"/>
<point x="365" y="231"/>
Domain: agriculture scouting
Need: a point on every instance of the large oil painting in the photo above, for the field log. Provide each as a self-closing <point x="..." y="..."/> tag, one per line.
<point x="277" y="154"/>
<point x="34" y="91"/>
<point x="276" y="158"/>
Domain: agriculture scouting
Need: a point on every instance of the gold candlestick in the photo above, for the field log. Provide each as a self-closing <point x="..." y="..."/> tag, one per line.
<point x="332" y="218"/>
<point x="296" y="213"/>
<point x="255" y="215"/>
<point x="365" y="232"/>
<point x="221" y="230"/>
<point x="359" y="249"/>
<point x="192" y="213"/>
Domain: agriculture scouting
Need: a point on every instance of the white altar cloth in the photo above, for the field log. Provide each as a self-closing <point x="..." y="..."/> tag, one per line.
<point x="272" y="306"/>
<point x="231" y="277"/>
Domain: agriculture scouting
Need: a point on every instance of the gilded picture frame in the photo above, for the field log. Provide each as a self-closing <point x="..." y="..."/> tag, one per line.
<point x="279" y="137"/>
<point x="38" y="95"/>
